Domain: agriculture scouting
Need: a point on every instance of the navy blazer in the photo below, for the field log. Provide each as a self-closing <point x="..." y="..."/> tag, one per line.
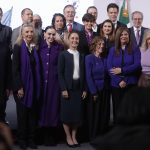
<point x="133" y="38"/>
<point x="65" y="70"/>
<point x="83" y="43"/>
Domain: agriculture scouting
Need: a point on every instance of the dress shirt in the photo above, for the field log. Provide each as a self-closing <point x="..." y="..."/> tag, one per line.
<point x="76" y="63"/>
<point x="136" y="30"/>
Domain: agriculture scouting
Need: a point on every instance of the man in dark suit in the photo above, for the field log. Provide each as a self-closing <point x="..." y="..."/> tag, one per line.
<point x="112" y="12"/>
<point x="5" y="66"/>
<point x="69" y="13"/>
<point x="137" y="30"/>
<point x="27" y="17"/>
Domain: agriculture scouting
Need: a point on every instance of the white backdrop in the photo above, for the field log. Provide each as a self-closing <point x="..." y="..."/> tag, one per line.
<point x="140" y="5"/>
<point x="46" y="8"/>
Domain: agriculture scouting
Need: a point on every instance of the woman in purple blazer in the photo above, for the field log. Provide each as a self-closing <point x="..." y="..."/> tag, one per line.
<point x="123" y="63"/>
<point x="98" y="104"/>
<point x="50" y="97"/>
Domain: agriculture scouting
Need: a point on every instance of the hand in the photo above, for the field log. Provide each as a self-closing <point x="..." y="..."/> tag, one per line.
<point x="84" y="94"/>
<point x="20" y="93"/>
<point x="95" y="98"/>
<point x="65" y="94"/>
<point x="115" y="71"/>
<point x="7" y="92"/>
<point x="122" y="84"/>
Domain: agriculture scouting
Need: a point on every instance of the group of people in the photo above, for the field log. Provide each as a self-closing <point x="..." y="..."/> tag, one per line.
<point x="66" y="73"/>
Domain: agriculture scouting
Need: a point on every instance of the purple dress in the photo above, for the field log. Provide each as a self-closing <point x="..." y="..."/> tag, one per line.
<point x="50" y="98"/>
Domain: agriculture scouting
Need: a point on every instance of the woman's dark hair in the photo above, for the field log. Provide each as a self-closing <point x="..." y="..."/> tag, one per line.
<point x="70" y="33"/>
<point x="118" y="43"/>
<point x="88" y="17"/>
<point x="54" y="18"/>
<point x="135" y="107"/>
<point x="94" y="42"/>
<point x="111" y="35"/>
<point x="49" y="27"/>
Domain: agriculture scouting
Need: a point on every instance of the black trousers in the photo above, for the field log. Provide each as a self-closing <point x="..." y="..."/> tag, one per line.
<point x="99" y="114"/>
<point x="117" y="96"/>
<point x="27" y="121"/>
<point x="3" y="103"/>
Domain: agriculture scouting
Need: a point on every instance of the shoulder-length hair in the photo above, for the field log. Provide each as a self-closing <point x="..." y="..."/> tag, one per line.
<point x="118" y="43"/>
<point x="94" y="43"/>
<point x="146" y="37"/>
<point x="54" y="19"/>
<point x="112" y="33"/>
<point x="20" y="37"/>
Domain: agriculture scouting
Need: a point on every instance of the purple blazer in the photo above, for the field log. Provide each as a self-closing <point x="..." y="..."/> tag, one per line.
<point x="129" y="67"/>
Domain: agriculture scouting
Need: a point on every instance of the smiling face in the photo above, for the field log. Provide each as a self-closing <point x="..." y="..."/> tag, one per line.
<point x="27" y="34"/>
<point x="137" y="20"/>
<point x="112" y="14"/>
<point x="69" y="13"/>
<point x="59" y="24"/>
<point x="50" y="35"/>
<point x="124" y="38"/>
<point x="107" y="28"/>
<point x="99" y="47"/>
<point x="73" y="41"/>
<point x="88" y="25"/>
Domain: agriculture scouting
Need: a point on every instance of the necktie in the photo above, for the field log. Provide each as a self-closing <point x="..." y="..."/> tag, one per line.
<point x="69" y="27"/>
<point x="137" y="36"/>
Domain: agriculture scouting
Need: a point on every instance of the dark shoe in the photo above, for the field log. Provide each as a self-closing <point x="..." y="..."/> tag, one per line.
<point x="77" y="145"/>
<point x="32" y="145"/>
<point x="71" y="146"/>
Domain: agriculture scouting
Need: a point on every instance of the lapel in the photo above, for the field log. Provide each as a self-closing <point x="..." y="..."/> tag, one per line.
<point x="141" y="37"/>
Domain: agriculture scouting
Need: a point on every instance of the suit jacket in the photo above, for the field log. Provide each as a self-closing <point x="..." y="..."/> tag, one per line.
<point x="65" y="70"/>
<point x="133" y="38"/>
<point x="119" y="24"/>
<point x="5" y="59"/>
<point x="15" y="35"/>
<point x="83" y="43"/>
<point x="77" y="27"/>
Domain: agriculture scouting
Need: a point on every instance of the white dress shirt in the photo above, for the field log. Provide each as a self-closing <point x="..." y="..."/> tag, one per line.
<point x="76" y="63"/>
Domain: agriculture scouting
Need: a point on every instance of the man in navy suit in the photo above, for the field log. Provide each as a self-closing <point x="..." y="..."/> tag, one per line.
<point x="112" y="12"/>
<point x="69" y="13"/>
<point x="137" y="30"/>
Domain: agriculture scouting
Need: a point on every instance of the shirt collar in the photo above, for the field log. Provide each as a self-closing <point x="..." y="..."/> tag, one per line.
<point x="135" y="29"/>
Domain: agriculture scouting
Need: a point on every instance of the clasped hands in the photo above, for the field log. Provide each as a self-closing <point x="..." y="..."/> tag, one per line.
<point x="66" y="95"/>
<point x="115" y="71"/>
